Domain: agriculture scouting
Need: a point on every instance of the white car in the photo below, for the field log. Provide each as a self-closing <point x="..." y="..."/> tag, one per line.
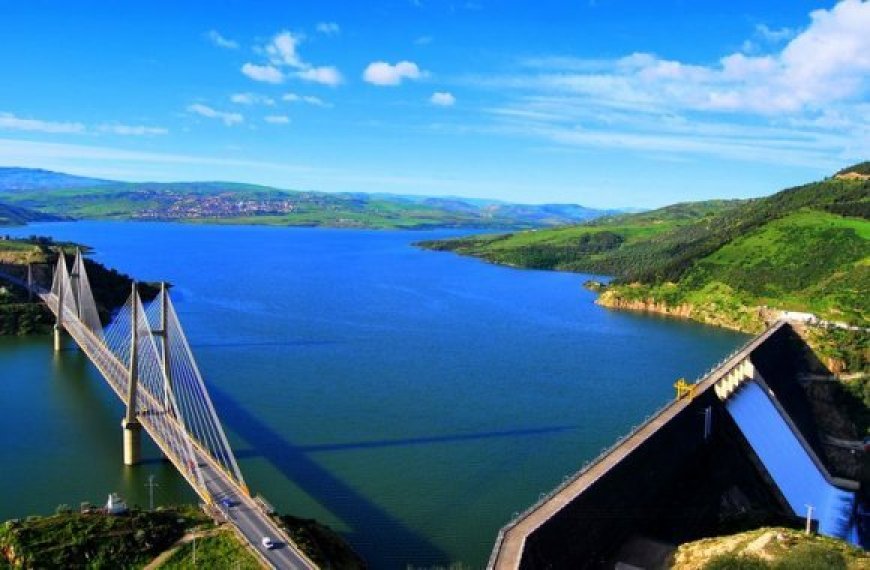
<point x="267" y="543"/>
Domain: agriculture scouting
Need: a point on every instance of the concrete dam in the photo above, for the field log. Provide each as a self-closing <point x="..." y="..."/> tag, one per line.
<point x="745" y="447"/>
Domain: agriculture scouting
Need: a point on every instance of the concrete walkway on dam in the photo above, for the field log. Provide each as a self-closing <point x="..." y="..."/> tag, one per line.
<point x="511" y="542"/>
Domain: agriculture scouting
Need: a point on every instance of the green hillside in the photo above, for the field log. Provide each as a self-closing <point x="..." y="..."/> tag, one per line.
<point x="805" y="248"/>
<point x="595" y="247"/>
<point x="808" y="261"/>
<point x="16" y="216"/>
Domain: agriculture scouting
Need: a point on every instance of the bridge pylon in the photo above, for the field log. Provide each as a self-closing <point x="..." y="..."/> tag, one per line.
<point x="60" y="282"/>
<point x="130" y="425"/>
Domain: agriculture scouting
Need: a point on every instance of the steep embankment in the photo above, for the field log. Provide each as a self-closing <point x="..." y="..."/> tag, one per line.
<point x="725" y="263"/>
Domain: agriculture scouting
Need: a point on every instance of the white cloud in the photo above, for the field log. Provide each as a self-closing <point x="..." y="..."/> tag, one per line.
<point x="264" y="73"/>
<point x="326" y="75"/>
<point x="804" y="102"/>
<point x="277" y="119"/>
<point x="773" y="36"/>
<point x="252" y="99"/>
<point x="283" y="53"/>
<point x="828" y="62"/>
<point x="220" y="41"/>
<point x="131" y="130"/>
<point x="442" y="99"/>
<point x="383" y="73"/>
<point x="9" y="121"/>
<point x="328" y="28"/>
<point x="228" y="119"/>
<point x="282" y="50"/>
<point x="310" y="99"/>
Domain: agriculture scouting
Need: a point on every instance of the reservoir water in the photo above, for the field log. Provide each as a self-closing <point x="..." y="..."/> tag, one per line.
<point x="412" y="400"/>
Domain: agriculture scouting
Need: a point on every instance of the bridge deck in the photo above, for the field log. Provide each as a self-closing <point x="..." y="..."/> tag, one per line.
<point x="247" y="518"/>
<point x="509" y="547"/>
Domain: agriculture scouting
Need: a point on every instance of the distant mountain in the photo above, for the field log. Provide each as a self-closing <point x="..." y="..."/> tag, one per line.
<point x="229" y="203"/>
<point x="12" y="178"/>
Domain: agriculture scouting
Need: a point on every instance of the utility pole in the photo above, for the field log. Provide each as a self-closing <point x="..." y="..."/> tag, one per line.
<point x="809" y="519"/>
<point x="151" y="484"/>
<point x="30" y="282"/>
<point x="194" y="552"/>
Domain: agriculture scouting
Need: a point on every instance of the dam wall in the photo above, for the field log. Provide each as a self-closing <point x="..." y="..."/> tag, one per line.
<point x="668" y="490"/>
<point x="704" y="465"/>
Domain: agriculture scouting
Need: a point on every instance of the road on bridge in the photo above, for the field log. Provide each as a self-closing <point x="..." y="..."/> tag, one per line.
<point x="248" y="518"/>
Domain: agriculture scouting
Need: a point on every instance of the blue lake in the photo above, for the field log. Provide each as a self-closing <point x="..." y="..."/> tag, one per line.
<point x="412" y="400"/>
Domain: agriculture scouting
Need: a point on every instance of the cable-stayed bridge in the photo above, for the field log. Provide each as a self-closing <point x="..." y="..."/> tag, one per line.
<point x="144" y="356"/>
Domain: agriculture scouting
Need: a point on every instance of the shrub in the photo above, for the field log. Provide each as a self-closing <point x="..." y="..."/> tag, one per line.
<point x="811" y="557"/>
<point x="736" y="562"/>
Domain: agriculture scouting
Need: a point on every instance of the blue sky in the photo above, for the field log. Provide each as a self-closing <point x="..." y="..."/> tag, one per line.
<point x="606" y="103"/>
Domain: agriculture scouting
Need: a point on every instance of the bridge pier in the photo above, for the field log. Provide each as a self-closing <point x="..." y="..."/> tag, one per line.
<point x="132" y="441"/>
<point x="58" y="338"/>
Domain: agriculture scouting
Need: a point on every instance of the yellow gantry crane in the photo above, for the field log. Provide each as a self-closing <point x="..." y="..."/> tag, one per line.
<point x="684" y="389"/>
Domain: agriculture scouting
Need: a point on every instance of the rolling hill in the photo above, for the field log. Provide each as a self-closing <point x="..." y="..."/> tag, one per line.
<point x="805" y="248"/>
<point x="15" y="216"/>
<point x="234" y="203"/>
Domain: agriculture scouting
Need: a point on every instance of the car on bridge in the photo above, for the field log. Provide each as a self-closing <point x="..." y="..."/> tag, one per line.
<point x="268" y="543"/>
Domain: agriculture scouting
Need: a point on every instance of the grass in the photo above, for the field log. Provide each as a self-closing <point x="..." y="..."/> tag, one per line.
<point x="97" y="540"/>
<point x="69" y="540"/>
<point x="219" y="550"/>
<point x="770" y="548"/>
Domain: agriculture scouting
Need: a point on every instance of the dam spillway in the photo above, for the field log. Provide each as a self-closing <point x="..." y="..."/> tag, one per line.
<point x="742" y="450"/>
<point x="798" y="475"/>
